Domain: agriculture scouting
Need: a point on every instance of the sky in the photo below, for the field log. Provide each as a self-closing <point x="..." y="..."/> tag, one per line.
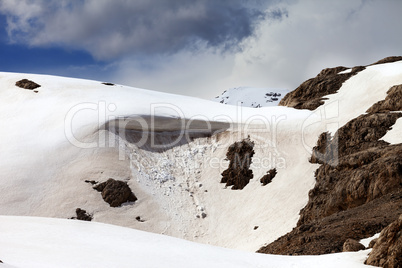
<point x="197" y="48"/>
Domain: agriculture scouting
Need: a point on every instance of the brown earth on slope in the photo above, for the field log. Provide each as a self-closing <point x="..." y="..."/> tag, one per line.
<point x="238" y="172"/>
<point x="309" y="95"/>
<point x="387" y="251"/>
<point x="357" y="172"/>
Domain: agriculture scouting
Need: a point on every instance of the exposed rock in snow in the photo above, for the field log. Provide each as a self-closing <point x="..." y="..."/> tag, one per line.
<point x="388" y="60"/>
<point x="352" y="245"/>
<point x="27" y="84"/>
<point x="372" y="242"/>
<point x="239" y="174"/>
<point x="387" y="251"/>
<point x="82" y="215"/>
<point x="393" y="101"/>
<point x="115" y="192"/>
<point x="358" y="172"/>
<point x="329" y="234"/>
<point x="267" y="178"/>
<point x="309" y="95"/>
<point x="251" y="97"/>
<point x="356" y="167"/>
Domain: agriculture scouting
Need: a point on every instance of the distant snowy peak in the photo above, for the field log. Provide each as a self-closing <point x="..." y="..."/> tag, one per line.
<point x="251" y="97"/>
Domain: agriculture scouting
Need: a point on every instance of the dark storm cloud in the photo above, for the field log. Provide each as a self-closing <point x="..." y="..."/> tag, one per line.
<point x="110" y="29"/>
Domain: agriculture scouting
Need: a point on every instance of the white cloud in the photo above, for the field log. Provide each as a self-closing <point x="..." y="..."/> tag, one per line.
<point x="112" y="29"/>
<point x="317" y="35"/>
<point x="286" y="52"/>
<point x="296" y="40"/>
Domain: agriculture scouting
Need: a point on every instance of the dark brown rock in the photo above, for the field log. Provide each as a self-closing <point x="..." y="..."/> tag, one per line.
<point x="351" y="245"/>
<point x="387" y="251"/>
<point x="393" y="101"/>
<point x="91" y="182"/>
<point x="108" y="84"/>
<point x="327" y="235"/>
<point x="27" y="84"/>
<point x="267" y="178"/>
<point x="372" y="243"/>
<point x="82" y="215"/>
<point x="239" y="173"/>
<point x="309" y="95"/>
<point x="356" y="167"/>
<point x="388" y="60"/>
<point x="138" y="218"/>
<point x="115" y="192"/>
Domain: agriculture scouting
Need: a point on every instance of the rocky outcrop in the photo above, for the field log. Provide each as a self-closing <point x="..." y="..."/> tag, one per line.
<point x="388" y="60"/>
<point x="393" y="101"/>
<point x="27" y="84"/>
<point x="372" y="243"/>
<point x="309" y="95"/>
<point x="356" y="167"/>
<point x="327" y="235"/>
<point x="239" y="174"/>
<point x="267" y="178"/>
<point x="352" y="245"/>
<point x="115" y="192"/>
<point x="358" y="184"/>
<point x="387" y="251"/>
<point x="82" y="215"/>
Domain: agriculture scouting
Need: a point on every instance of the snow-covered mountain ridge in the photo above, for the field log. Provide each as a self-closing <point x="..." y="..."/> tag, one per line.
<point x="251" y="97"/>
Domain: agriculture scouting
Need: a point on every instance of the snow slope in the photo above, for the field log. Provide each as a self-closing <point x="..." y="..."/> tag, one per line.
<point x="53" y="141"/>
<point x="251" y="97"/>
<point x="44" y="242"/>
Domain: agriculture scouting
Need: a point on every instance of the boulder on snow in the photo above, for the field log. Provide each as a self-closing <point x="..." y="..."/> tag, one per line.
<point x="82" y="215"/>
<point x="115" y="192"/>
<point x="27" y="84"/>
<point x="108" y="84"/>
<point x="239" y="173"/>
<point x="387" y="251"/>
<point x="267" y="178"/>
<point x="352" y="245"/>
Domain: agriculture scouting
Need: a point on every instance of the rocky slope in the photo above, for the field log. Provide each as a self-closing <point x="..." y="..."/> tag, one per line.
<point x="358" y="188"/>
<point x="310" y="94"/>
<point x="387" y="250"/>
